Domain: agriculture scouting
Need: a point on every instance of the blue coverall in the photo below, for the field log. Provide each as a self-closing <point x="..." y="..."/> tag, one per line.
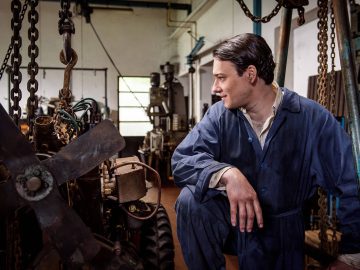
<point x="305" y="148"/>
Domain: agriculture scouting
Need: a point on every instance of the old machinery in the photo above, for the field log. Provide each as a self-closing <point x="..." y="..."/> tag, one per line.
<point x="168" y="114"/>
<point x="58" y="209"/>
<point x="34" y="183"/>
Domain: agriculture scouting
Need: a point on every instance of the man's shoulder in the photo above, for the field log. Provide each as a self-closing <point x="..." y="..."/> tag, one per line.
<point x="218" y="109"/>
<point x="300" y="103"/>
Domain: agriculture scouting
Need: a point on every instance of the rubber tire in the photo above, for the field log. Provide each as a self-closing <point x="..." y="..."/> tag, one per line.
<point x="157" y="244"/>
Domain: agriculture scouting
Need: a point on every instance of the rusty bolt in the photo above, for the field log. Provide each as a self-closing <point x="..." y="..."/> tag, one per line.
<point x="34" y="183"/>
<point x="132" y="208"/>
<point x="37" y="172"/>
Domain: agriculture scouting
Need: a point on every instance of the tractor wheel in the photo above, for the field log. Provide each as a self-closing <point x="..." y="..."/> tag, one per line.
<point x="157" y="245"/>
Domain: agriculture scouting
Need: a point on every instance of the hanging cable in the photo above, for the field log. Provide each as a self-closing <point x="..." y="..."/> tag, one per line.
<point x="118" y="71"/>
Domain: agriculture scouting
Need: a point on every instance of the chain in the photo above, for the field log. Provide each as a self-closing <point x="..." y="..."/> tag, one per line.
<point x="334" y="243"/>
<point x="321" y="96"/>
<point x="329" y="246"/>
<point x="66" y="27"/>
<point x="322" y="48"/>
<point x="332" y="57"/>
<point x="16" y="76"/>
<point x="11" y="45"/>
<point x="33" y="67"/>
<point x="257" y="19"/>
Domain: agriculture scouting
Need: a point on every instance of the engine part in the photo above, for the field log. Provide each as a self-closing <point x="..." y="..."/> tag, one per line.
<point x="67" y="232"/>
<point x="130" y="180"/>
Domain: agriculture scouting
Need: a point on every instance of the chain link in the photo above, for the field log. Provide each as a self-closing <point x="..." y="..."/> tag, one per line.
<point x="321" y="96"/>
<point x="66" y="27"/>
<point x="33" y="67"/>
<point x="329" y="246"/>
<point x="10" y="48"/>
<point x="16" y="76"/>
<point x="322" y="48"/>
<point x="332" y="57"/>
<point x="257" y="19"/>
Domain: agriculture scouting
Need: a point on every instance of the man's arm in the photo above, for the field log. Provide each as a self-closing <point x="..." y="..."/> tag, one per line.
<point x="243" y="200"/>
<point x="197" y="157"/>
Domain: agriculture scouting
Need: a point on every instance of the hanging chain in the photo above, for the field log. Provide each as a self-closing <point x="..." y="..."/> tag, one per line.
<point x="16" y="76"/>
<point x="11" y="45"/>
<point x="330" y="246"/>
<point x="66" y="27"/>
<point x="332" y="57"/>
<point x="322" y="48"/>
<point x="321" y="96"/>
<point x="68" y="57"/>
<point x="257" y="19"/>
<point x="33" y="67"/>
<point x="334" y="248"/>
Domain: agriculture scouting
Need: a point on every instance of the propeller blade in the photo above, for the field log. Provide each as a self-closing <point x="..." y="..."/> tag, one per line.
<point x="16" y="154"/>
<point x="9" y="201"/>
<point x="15" y="150"/>
<point x="69" y="235"/>
<point x="86" y="152"/>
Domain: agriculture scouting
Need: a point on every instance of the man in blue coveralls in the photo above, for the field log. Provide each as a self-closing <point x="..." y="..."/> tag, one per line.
<point x="249" y="165"/>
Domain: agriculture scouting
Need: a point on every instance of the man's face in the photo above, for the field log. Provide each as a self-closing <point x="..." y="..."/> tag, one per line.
<point x="233" y="89"/>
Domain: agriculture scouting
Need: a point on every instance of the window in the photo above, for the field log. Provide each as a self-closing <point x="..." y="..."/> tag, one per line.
<point x="133" y="101"/>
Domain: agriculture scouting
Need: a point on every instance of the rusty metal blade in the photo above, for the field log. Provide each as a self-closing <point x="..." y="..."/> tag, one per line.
<point x="85" y="152"/>
<point x="16" y="154"/>
<point x="9" y="201"/>
<point x="15" y="150"/>
<point x="69" y="235"/>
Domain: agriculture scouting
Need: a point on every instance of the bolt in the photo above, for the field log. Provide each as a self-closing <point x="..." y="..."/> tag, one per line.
<point x="34" y="183"/>
<point x="132" y="208"/>
<point x="36" y="172"/>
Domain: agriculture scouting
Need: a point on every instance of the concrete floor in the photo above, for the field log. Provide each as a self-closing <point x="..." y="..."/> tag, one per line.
<point x="168" y="198"/>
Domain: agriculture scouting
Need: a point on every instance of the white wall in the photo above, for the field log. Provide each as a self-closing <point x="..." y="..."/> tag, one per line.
<point x="137" y="41"/>
<point x="225" y="19"/>
<point x="140" y="41"/>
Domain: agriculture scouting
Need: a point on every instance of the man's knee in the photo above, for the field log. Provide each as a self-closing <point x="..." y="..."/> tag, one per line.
<point x="185" y="201"/>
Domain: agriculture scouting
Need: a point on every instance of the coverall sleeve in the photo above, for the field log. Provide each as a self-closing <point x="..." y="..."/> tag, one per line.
<point x="197" y="157"/>
<point x="334" y="170"/>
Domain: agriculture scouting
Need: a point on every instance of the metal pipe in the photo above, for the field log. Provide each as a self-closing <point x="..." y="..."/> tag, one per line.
<point x="191" y="96"/>
<point x="282" y="52"/>
<point x="107" y="110"/>
<point x="139" y="4"/>
<point x="348" y="70"/>
<point x="257" y="13"/>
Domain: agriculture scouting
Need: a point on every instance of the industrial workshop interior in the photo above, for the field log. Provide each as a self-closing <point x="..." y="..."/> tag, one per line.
<point x="96" y="95"/>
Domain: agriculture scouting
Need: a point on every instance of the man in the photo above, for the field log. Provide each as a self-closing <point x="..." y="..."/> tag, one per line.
<point x="249" y="165"/>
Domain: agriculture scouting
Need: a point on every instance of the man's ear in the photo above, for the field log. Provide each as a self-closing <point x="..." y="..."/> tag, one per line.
<point x="251" y="72"/>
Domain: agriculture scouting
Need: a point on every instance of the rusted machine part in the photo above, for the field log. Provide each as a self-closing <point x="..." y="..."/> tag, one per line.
<point x="65" y="93"/>
<point x="44" y="137"/>
<point x="85" y="196"/>
<point x="125" y="186"/>
<point x="282" y="52"/>
<point x="66" y="28"/>
<point x="348" y="71"/>
<point x="130" y="180"/>
<point x="65" y="229"/>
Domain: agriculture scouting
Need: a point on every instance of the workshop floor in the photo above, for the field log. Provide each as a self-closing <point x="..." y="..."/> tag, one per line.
<point x="168" y="198"/>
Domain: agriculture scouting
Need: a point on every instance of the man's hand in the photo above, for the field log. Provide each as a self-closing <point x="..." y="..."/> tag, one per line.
<point x="338" y="265"/>
<point x="243" y="200"/>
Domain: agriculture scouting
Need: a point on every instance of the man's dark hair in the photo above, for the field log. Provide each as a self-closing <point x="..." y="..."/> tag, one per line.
<point x="248" y="49"/>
